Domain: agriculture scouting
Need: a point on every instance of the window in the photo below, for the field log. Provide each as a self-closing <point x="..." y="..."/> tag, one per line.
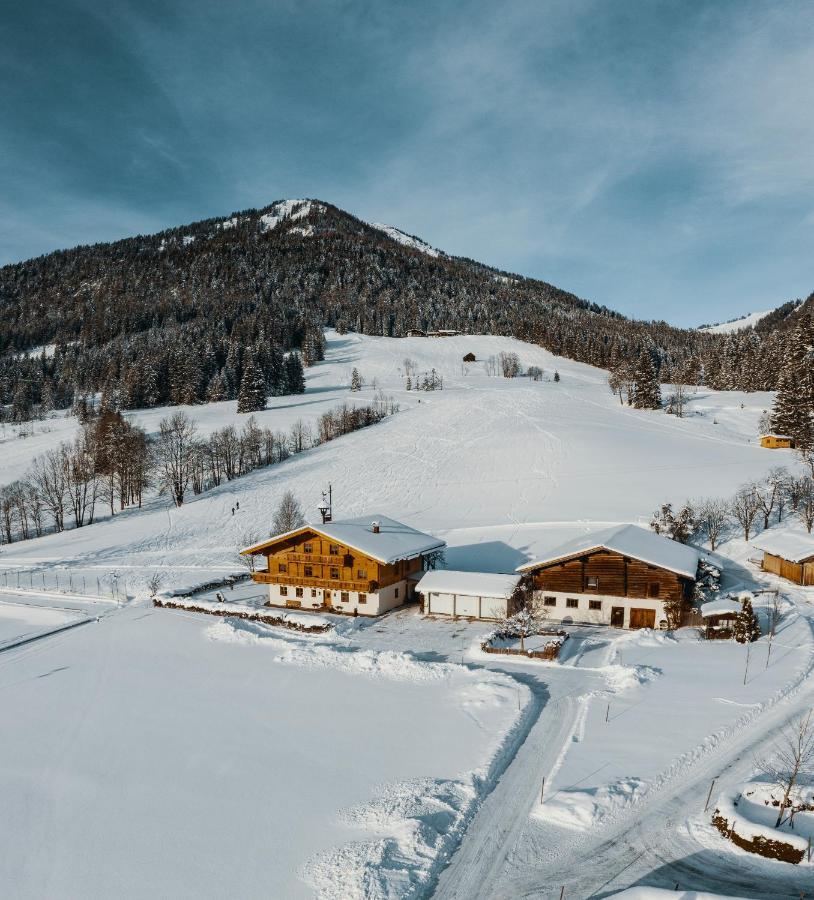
<point x="313" y="592"/>
<point x="572" y="603"/>
<point x="653" y="589"/>
<point x="309" y="571"/>
<point x="333" y="550"/>
<point x="307" y="548"/>
<point x="298" y="592"/>
<point x="283" y="591"/>
<point x="363" y="598"/>
<point x="283" y="567"/>
<point x="397" y="592"/>
<point x="594" y="604"/>
<point x="592" y="583"/>
<point x="361" y="574"/>
<point x="334" y="572"/>
<point x="345" y="596"/>
<point x="549" y="601"/>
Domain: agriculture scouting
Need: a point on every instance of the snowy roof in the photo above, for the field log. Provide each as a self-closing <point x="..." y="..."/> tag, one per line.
<point x="394" y="540"/>
<point x="629" y="540"/>
<point x="720" y="607"/>
<point x="791" y="545"/>
<point x="470" y="584"/>
<point x="773" y="434"/>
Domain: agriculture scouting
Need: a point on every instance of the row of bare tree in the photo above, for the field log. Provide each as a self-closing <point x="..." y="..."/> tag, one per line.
<point x="185" y="461"/>
<point x="108" y="462"/>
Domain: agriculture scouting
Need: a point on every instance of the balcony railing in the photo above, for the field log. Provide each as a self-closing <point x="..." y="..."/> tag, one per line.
<point x="328" y="584"/>
<point x="317" y="558"/>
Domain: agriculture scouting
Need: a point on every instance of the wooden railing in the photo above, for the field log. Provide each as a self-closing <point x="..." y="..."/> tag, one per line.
<point x="316" y="558"/>
<point x="328" y="584"/>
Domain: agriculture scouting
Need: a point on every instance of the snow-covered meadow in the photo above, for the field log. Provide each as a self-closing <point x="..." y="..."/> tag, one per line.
<point x="199" y="756"/>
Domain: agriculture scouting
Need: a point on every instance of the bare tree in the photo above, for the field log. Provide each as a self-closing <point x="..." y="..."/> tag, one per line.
<point x="288" y="515"/>
<point x="805" y="503"/>
<point x="300" y="436"/>
<point x="745" y="507"/>
<point x="712" y="515"/>
<point x="248" y="539"/>
<point x="792" y="760"/>
<point x="766" y="496"/>
<point x="509" y="364"/>
<point x="48" y="480"/>
<point x="175" y="449"/>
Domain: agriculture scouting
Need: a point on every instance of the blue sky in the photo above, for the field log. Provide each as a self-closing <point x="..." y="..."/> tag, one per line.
<point x="653" y="156"/>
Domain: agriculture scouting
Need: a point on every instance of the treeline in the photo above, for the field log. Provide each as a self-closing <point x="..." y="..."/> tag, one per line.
<point x="112" y="463"/>
<point x="166" y="318"/>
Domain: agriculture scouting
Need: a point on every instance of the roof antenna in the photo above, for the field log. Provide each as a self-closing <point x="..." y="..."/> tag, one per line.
<point x="326" y="507"/>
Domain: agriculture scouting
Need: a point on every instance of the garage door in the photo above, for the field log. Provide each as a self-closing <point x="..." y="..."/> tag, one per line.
<point x="642" y="618"/>
<point x="440" y="604"/>
<point x="466" y="606"/>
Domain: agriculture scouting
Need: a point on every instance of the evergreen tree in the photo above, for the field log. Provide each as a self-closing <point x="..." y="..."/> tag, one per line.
<point x="747" y="627"/>
<point x="794" y="401"/>
<point x="252" y="393"/>
<point x="294" y="375"/>
<point x="355" y="380"/>
<point x="646" y="391"/>
<point x="216" y="389"/>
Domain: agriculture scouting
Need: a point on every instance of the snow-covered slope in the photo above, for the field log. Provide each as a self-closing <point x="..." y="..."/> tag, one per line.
<point x="747" y="321"/>
<point x="408" y="240"/>
<point x="494" y="465"/>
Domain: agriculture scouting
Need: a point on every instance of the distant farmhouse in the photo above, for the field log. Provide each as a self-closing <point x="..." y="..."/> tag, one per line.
<point x="363" y="566"/>
<point x="789" y="555"/>
<point x="777" y="441"/>
<point x="470" y="357"/>
<point x="620" y="576"/>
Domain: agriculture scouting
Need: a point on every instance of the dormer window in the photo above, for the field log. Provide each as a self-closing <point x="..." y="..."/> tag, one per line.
<point x="308" y="548"/>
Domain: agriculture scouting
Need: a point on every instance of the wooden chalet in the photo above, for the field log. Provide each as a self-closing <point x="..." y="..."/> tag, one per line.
<point x="470" y="357"/>
<point x="362" y="566"/>
<point x="777" y="441"/>
<point x="620" y="576"/>
<point x="789" y="554"/>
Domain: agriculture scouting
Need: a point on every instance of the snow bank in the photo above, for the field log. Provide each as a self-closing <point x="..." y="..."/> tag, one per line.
<point x="580" y="810"/>
<point x="281" y="618"/>
<point x="654" y="893"/>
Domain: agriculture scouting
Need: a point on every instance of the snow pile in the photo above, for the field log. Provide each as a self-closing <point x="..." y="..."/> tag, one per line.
<point x="399" y="666"/>
<point x="654" y="893"/>
<point x="580" y="810"/>
<point x="407" y="240"/>
<point x="288" y="209"/>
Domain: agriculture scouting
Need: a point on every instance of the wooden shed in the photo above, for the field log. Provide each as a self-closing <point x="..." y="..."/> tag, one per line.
<point x="470" y="357"/>
<point x="777" y="441"/>
<point x="789" y="554"/>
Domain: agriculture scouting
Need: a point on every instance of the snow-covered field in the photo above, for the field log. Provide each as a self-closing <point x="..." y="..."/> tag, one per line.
<point x="173" y="754"/>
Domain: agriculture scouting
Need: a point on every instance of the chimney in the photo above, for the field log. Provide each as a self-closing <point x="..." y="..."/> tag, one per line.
<point x="374" y="527"/>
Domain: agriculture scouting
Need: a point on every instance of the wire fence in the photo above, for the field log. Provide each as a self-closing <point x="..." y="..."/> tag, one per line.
<point x="110" y="586"/>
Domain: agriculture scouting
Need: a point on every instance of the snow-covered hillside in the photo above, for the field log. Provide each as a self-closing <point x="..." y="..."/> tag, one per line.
<point x="509" y="465"/>
<point x="408" y="240"/>
<point x="739" y="324"/>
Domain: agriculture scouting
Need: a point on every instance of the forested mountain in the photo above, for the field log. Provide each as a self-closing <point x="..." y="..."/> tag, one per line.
<point x="170" y="317"/>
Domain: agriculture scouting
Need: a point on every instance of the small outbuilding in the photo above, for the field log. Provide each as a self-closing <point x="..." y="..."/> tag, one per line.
<point x="476" y="595"/>
<point x="470" y="357"/>
<point x="777" y="441"/>
<point x="720" y="616"/>
<point x="789" y="554"/>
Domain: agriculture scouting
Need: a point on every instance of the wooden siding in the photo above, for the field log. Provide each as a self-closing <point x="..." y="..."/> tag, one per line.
<point x="616" y="576"/>
<point x="799" y="573"/>
<point x="776" y="443"/>
<point x="287" y="560"/>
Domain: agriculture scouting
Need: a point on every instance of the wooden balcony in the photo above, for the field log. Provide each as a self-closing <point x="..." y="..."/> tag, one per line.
<point x="327" y="584"/>
<point x="318" y="558"/>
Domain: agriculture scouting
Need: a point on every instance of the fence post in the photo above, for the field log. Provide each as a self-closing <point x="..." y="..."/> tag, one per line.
<point x="709" y="795"/>
<point x="542" y="791"/>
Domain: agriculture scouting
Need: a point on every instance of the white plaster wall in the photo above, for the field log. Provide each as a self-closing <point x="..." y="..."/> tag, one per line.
<point x="560" y="613"/>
